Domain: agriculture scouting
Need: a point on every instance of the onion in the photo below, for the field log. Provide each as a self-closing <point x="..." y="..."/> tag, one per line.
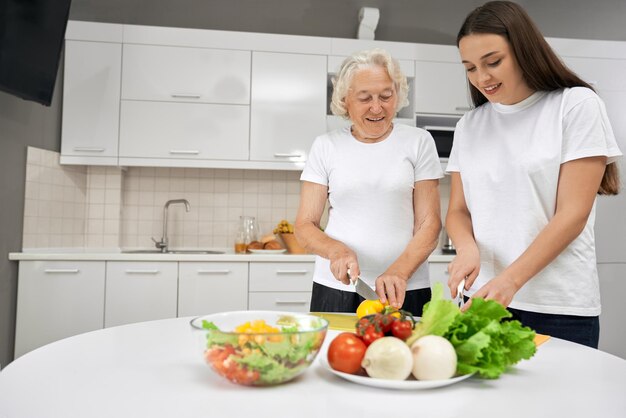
<point x="434" y="358"/>
<point x="388" y="358"/>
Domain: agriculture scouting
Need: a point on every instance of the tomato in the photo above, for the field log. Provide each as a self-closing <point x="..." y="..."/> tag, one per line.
<point x="369" y="307"/>
<point x="346" y="352"/>
<point x="372" y="333"/>
<point x="402" y="329"/>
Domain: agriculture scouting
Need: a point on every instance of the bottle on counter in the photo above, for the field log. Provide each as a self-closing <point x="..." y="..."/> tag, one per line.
<point x="247" y="231"/>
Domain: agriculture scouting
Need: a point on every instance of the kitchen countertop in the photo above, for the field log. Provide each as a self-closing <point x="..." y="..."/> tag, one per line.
<point x="88" y="254"/>
<point x="155" y="369"/>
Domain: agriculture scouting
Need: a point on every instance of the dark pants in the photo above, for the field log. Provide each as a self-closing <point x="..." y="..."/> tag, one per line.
<point x="583" y="330"/>
<point x="327" y="299"/>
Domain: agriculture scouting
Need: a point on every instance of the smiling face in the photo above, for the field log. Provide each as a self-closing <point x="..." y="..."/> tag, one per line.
<point x="492" y="68"/>
<point x="371" y="103"/>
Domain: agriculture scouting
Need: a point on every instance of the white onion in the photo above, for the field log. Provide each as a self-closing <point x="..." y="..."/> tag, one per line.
<point x="434" y="358"/>
<point x="388" y="358"/>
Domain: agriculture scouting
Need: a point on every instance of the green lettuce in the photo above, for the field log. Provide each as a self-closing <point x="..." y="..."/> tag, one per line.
<point x="486" y="341"/>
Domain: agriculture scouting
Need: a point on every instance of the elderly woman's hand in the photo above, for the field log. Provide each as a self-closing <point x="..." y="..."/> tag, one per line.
<point x="341" y="260"/>
<point x="391" y="288"/>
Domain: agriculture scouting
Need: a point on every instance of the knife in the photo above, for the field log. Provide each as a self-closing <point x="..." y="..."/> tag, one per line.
<point x="363" y="288"/>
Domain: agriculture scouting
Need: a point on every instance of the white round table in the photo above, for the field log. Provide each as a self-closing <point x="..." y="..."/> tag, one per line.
<point x="155" y="369"/>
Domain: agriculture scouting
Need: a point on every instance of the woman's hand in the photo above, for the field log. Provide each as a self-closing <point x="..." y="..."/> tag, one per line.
<point x="341" y="260"/>
<point x="500" y="288"/>
<point x="466" y="265"/>
<point x="391" y="287"/>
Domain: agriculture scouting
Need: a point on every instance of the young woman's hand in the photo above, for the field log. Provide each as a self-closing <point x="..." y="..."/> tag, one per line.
<point x="501" y="289"/>
<point x="466" y="265"/>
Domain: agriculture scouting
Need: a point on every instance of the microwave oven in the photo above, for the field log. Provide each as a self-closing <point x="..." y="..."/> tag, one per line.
<point x="441" y="127"/>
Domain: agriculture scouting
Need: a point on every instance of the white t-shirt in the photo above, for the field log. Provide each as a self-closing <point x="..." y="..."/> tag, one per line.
<point x="370" y="191"/>
<point x="509" y="159"/>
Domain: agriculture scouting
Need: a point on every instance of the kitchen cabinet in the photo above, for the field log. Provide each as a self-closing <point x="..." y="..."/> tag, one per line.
<point x="57" y="299"/>
<point x="287" y="106"/>
<point x="438" y="273"/>
<point x="210" y="287"/>
<point x="612" y="290"/>
<point x="140" y="291"/>
<point x="91" y="103"/>
<point x="441" y="88"/>
<point x="280" y="286"/>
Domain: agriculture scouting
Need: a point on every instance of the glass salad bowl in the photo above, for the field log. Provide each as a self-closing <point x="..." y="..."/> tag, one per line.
<point x="259" y="348"/>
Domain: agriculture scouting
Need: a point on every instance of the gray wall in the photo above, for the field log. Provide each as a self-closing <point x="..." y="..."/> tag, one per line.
<point x="427" y="21"/>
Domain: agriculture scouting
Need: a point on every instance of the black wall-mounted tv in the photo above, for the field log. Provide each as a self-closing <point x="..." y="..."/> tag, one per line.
<point x="31" y="39"/>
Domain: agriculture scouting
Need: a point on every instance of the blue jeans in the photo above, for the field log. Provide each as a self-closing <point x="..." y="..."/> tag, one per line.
<point x="583" y="330"/>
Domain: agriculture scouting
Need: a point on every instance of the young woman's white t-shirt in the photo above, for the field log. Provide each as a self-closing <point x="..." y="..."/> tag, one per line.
<point x="370" y="191"/>
<point x="509" y="159"/>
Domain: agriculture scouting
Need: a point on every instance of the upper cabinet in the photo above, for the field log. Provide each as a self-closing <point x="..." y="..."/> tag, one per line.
<point x="441" y="88"/>
<point x="182" y="106"/>
<point x="287" y="109"/>
<point x="91" y="102"/>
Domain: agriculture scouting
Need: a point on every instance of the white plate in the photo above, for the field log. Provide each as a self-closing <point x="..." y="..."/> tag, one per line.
<point x="394" y="384"/>
<point x="268" y="251"/>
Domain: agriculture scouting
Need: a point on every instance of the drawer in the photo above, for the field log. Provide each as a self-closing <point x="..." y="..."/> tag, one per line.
<point x="197" y="75"/>
<point x="281" y="277"/>
<point x="280" y="301"/>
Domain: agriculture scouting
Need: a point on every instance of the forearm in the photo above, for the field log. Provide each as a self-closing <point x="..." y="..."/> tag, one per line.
<point x="459" y="229"/>
<point x="316" y="241"/>
<point x="418" y="250"/>
<point x="551" y="241"/>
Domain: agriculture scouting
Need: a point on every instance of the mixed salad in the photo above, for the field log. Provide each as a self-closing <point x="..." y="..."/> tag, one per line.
<point x="258" y="354"/>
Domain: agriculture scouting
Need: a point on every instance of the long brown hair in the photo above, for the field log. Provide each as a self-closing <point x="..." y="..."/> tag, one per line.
<point x="541" y="67"/>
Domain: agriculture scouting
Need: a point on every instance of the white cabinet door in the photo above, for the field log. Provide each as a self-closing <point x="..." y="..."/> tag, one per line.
<point x="57" y="299"/>
<point x="140" y="291"/>
<point x="439" y="274"/>
<point x="201" y="75"/>
<point x="288" y="105"/>
<point x="441" y="88"/>
<point x="91" y="102"/>
<point x="280" y="301"/>
<point x="612" y="291"/>
<point x="209" y="287"/>
<point x="183" y="130"/>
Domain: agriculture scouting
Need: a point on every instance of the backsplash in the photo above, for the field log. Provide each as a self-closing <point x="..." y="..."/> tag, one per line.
<point x="69" y="206"/>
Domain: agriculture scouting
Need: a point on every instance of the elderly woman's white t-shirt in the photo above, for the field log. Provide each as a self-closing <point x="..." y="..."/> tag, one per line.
<point x="509" y="158"/>
<point x="370" y="191"/>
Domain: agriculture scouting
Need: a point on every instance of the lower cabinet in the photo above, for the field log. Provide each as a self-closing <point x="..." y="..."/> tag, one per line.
<point x="280" y="286"/>
<point x="439" y="273"/>
<point x="57" y="299"/>
<point x="140" y="291"/>
<point x="205" y="288"/>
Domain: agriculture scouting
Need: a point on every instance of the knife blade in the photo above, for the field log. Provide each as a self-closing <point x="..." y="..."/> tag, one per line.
<point x="363" y="288"/>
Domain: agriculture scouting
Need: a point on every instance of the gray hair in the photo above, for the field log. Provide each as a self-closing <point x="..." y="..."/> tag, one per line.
<point x="358" y="61"/>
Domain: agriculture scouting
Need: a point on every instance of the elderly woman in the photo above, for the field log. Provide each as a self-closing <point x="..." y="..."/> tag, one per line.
<point x="381" y="181"/>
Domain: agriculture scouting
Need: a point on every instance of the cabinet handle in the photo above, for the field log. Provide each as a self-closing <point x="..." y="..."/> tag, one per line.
<point x="61" y="271"/>
<point x="439" y="128"/>
<point x="155" y="271"/>
<point x="89" y="149"/>
<point x="280" y="155"/>
<point x="226" y="271"/>
<point x="463" y="108"/>
<point x="292" y="271"/>
<point x="186" y="96"/>
<point x="291" y="302"/>
<point x="184" y="151"/>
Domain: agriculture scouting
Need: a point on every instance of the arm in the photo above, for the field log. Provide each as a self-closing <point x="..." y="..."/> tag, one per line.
<point x="307" y="229"/>
<point x="466" y="264"/>
<point x="427" y="225"/>
<point x="577" y="187"/>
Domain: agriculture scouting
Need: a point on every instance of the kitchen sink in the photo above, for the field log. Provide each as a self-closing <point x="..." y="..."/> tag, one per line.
<point x="155" y="251"/>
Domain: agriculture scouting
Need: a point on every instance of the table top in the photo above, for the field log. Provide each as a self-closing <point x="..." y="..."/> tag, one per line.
<point x="155" y="369"/>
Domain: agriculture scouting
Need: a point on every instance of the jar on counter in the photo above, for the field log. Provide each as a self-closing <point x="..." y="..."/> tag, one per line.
<point x="247" y="231"/>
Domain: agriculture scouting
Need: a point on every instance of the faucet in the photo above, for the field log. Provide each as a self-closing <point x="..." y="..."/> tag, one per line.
<point x="163" y="244"/>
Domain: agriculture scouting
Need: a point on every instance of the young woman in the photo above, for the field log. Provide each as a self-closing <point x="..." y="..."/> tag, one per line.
<point x="525" y="167"/>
